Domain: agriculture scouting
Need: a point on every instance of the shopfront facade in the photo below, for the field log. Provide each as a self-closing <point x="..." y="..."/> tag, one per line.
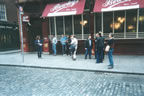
<point x="127" y="26"/>
<point x="9" y="34"/>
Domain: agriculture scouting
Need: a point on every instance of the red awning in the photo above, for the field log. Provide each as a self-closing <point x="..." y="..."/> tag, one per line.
<point x="64" y="8"/>
<point x="114" y="5"/>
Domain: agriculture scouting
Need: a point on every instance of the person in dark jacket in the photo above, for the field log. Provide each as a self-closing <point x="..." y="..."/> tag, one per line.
<point x="68" y="42"/>
<point x="38" y="44"/>
<point x="100" y="48"/>
<point x="88" y="47"/>
<point x="110" y="56"/>
<point x="96" y="39"/>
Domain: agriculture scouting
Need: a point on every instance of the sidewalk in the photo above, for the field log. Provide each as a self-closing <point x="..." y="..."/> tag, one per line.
<point x="123" y="64"/>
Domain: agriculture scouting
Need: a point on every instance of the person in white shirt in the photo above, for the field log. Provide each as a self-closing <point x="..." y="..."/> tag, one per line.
<point x="73" y="47"/>
<point x="54" y="42"/>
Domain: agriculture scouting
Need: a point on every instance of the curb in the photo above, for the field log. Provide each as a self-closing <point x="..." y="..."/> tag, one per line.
<point x="73" y="69"/>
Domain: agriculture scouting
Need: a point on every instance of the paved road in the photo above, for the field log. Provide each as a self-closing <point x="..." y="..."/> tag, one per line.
<point x="18" y="81"/>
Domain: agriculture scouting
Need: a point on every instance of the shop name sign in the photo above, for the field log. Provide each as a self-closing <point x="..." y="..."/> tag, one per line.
<point x="59" y="7"/>
<point x="111" y="3"/>
<point x="8" y="27"/>
<point x="114" y="5"/>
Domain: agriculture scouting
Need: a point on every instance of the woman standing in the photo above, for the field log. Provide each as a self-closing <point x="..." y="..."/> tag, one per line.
<point x="110" y="52"/>
<point x="38" y="44"/>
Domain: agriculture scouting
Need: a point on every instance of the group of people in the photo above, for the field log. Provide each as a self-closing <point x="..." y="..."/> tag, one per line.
<point x="100" y="48"/>
<point x="70" y="45"/>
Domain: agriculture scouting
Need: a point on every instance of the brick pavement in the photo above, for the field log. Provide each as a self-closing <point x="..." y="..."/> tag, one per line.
<point x="18" y="81"/>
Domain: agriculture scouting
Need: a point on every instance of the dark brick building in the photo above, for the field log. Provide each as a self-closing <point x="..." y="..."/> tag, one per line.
<point x="9" y="34"/>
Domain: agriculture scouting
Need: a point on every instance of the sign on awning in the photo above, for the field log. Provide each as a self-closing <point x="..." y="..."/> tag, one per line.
<point x="115" y="5"/>
<point x="64" y="8"/>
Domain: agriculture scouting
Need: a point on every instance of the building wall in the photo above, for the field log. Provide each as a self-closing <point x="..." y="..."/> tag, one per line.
<point x="11" y="10"/>
<point x="9" y="34"/>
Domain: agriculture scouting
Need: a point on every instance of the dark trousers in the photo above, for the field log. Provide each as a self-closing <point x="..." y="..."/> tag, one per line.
<point x="88" y="51"/>
<point x="68" y="52"/>
<point x="39" y="54"/>
<point x="39" y="51"/>
<point x="100" y="55"/>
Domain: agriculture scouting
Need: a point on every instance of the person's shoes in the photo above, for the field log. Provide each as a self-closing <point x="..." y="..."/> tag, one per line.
<point x="110" y="67"/>
<point x="90" y="58"/>
<point x="74" y="59"/>
<point x="85" y="58"/>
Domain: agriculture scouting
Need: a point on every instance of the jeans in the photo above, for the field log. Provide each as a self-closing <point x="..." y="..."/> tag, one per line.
<point x="88" y="51"/>
<point x="110" y="57"/>
<point x="54" y="48"/>
<point x="63" y="49"/>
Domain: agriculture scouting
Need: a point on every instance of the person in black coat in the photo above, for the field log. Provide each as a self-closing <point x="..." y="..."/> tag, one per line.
<point x="96" y="39"/>
<point x="88" y="47"/>
<point x="38" y="44"/>
<point x="100" y="49"/>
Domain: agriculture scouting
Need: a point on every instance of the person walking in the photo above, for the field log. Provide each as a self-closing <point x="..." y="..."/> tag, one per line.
<point x="88" y="47"/>
<point x="100" y="48"/>
<point x="54" y="42"/>
<point x="38" y="44"/>
<point x="73" y="47"/>
<point x="63" y="43"/>
<point x="110" y="52"/>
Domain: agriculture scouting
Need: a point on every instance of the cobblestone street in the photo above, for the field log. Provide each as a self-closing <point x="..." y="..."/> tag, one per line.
<point x="18" y="81"/>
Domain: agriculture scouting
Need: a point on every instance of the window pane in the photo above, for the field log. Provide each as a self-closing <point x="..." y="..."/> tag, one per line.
<point x="68" y="25"/>
<point x="131" y="23"/>
<point x="86" y="25"/>
<point x="59" y="24"/>
<point x="2" y="12"/>
<point x="98" y="22"/>
<point x="141" y="21"/>
<point x="52" y="26"/>
<point x="131" y="20"/>
<point x="119" y="21"/>
<point x="77" y="26"/>
<point x="108" y="20"/>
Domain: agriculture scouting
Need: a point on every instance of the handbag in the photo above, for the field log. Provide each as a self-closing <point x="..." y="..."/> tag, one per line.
<point x="107" y="48"/>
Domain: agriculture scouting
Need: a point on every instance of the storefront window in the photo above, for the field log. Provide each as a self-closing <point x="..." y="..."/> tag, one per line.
<point x="108" y="22"/>
<point x="131" y="20"/>
<point x="78" y="26"/>
<point x="52" y="26"/>
<point x="68" y="25"/>
<point x="59" y="24"/>
<point x="87" y="5"/>
<point x="119" y="22"/>
<point x="86" y="25"/>
<point x="98" y="22"/>
<point x="141" y="21"/>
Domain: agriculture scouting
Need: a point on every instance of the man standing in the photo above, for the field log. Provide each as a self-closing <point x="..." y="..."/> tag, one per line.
<point x="63" y="43"/>
<point x="96" y="39"/>
<point x="100" y="48"/>
<point x="54" y="42"/>
<point x="88" y="47"/>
